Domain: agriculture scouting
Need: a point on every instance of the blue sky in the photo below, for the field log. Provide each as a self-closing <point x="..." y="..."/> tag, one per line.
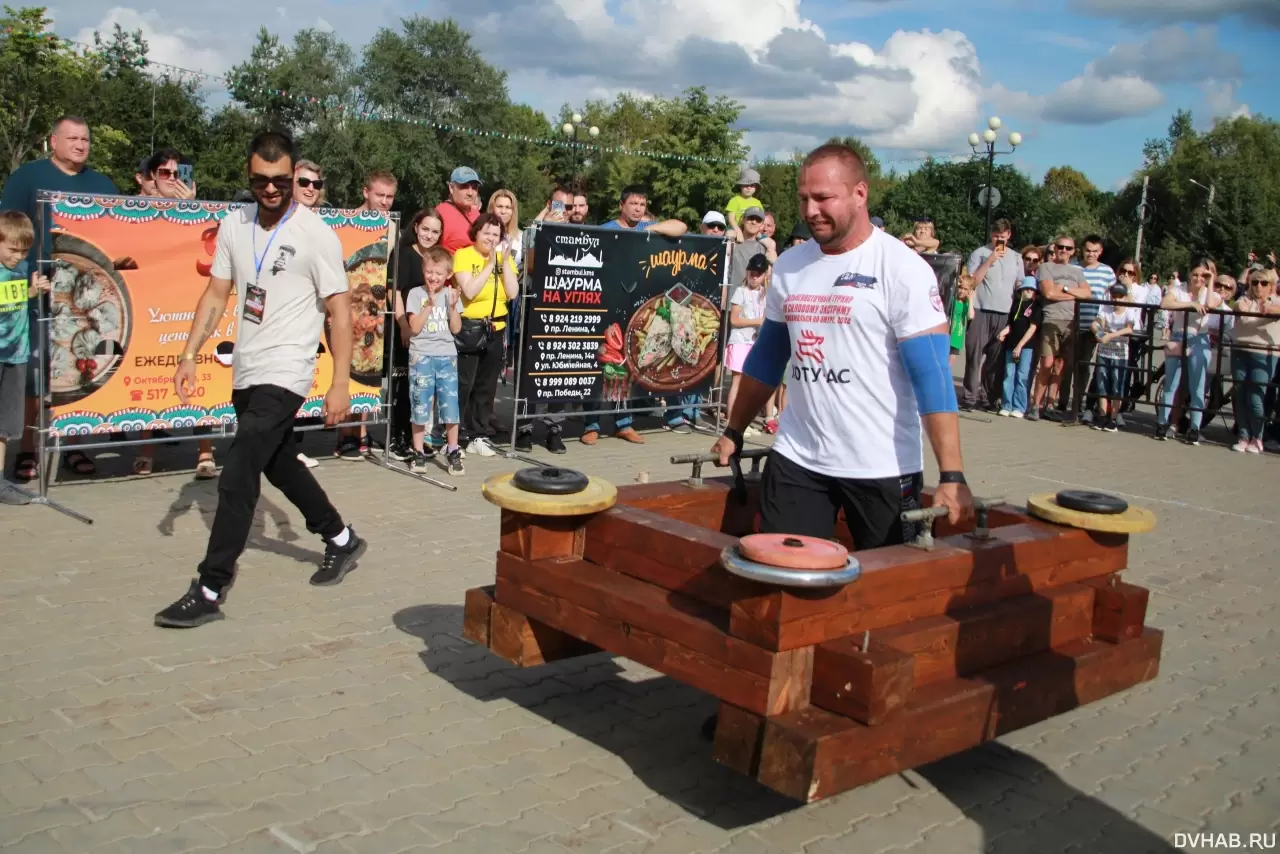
<point x="1085" y="81"/>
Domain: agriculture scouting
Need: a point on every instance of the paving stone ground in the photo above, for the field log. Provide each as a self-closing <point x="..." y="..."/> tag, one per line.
<point x="356" y="719"/>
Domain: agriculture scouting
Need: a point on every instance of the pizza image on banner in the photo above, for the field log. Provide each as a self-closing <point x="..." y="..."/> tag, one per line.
<point x="126" y="275"/>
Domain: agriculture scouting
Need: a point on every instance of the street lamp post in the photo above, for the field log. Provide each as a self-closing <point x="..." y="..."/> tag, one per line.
<point x="986" y="145"/>
<point x="571" y="129"/>
<point x="1213" y="191"/>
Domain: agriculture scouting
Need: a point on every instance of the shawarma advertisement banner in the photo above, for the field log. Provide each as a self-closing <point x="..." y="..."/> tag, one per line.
<point x="126" y="274"/>
<point x="618" y="315"/>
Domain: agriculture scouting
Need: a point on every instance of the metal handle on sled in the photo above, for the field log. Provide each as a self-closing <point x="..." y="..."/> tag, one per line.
<point x="927" y="515"/>
<point x="699" y="460"/>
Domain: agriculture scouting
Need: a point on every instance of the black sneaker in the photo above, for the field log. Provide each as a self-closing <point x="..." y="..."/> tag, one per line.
<point x="349" y="448"/>
<point x="1162" y="432"/>
<point x="524" y="441"/>
<point x="455" y="462"/>
<point x="418" y="463"/>
<point x="1033" y="414"/>
<point x="192" y="610"/>
<point x="338" y="560"/>
<point x="1193" y="436"/>
<point x="1111" y="426"/>
<point x="681" y="427"/>
<point x="401" y="452"/>
<point x="555" y="444"/>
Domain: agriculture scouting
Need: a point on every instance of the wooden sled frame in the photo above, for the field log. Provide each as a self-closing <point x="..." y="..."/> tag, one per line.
<point x="929" y="653"/>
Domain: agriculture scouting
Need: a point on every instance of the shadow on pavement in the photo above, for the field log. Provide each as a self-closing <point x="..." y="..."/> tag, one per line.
<point x="652" y="725"/>
<point x="1021" y="805"/>
<point x="201" y="496"/>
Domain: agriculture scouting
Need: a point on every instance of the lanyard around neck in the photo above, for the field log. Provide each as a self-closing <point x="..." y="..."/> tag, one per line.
<point x="259" y="259"/>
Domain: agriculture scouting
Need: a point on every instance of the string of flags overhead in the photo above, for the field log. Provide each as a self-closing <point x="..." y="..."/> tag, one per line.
<point x="334" y="103"/>
<point x="381" y="115"/>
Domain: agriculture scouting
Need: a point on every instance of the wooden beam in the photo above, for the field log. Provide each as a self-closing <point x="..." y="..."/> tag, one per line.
<point x="973" y="639"/>
<point x="541" y="537"/>
<point x="869" y="685"/>
<point x="739" y="737"/>
<point x="680" y="637"/>
<point x="812" y="753"/>
<point x="674" y="555"/>
<point x="525" y="642"/>
<point x="900" y="583"/>
<point x="1119" y="609"/>
<point x="710" y="506"/>
<point x="476" y="609"/>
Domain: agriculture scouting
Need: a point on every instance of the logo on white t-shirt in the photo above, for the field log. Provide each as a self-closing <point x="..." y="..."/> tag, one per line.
<point x="855" y="280"/>
<point x="809" y="346"/>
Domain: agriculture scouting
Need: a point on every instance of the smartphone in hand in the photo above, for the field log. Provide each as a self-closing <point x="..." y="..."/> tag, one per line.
<point x="186" y="174"/>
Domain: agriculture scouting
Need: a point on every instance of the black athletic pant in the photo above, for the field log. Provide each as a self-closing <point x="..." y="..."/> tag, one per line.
<point x="795" y="500"/>
<point x="477" y="387"/>
<point x="264" y="444"/>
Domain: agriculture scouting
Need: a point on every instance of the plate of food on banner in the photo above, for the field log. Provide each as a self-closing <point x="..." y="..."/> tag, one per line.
<point x="671" y="340"/>
<point x="367" y="278"/>
<point x="89" y="319"/>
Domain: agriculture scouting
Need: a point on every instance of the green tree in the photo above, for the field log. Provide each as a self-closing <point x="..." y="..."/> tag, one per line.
<point x="41" y="78"/>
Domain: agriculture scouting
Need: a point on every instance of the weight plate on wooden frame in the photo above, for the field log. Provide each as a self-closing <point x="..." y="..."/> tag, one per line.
<point x="550" y="481"/>
<point x="791" y="551"/>
<point x="733" y="561"/>
<point x="1087" y="501"/>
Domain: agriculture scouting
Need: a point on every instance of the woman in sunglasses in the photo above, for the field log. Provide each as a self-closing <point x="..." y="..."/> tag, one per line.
<point x="1254" y="354"/>
<point x="1129" y="274"/>
<point x="308" y="184"/>
<point x="1192" y="335"/>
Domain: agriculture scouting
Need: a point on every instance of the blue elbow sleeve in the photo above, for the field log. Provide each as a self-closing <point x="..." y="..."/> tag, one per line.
<point x="927" y="360"/>
<point x="768" y="358"/>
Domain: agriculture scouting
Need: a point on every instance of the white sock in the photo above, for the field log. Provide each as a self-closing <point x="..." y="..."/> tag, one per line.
<point x="208" y="594"/>
<point x="342" y="539"/>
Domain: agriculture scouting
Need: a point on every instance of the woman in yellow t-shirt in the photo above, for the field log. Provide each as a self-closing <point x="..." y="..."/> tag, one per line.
<point x="486" y="276"/>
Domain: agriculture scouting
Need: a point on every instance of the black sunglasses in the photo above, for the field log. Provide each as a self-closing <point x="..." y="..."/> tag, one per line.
<point x="715" y="227"/>
<point x="1129" y="271"/>
<point x="318" y="183"/>
<point x="280" y="182"/>
<point x="1031" y="259"/>
<point x="1060" y="248"/>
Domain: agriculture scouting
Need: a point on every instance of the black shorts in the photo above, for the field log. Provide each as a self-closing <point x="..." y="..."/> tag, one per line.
<point x="795" y="500"/>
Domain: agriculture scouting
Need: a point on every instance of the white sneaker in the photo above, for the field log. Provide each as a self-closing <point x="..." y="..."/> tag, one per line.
<point x="307" y="461"/>
<point x="1016" y="414"/>
<point x="1005" y="413"/>
<point x="1242" y="446"/>
<point x="1255" y="447"/>
<point x="481" y="448"/>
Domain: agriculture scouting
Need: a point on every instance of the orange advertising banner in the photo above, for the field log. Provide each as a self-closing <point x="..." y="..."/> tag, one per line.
<point x="126" y="275"/>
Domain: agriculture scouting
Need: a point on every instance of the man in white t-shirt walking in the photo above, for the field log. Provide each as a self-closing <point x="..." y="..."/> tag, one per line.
<point x="862" y="320"/>
<point x="285" y="266"/>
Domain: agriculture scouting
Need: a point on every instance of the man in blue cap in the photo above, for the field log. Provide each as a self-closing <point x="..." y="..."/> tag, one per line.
<point x="459" y="210"/>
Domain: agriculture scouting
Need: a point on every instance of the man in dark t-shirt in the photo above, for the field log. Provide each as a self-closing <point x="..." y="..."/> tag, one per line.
<point x="64" y="171"/>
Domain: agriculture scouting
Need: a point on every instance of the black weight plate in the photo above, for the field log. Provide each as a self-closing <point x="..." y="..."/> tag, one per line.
<point x="550" y="481"/>
<point x="1091" y="502"/>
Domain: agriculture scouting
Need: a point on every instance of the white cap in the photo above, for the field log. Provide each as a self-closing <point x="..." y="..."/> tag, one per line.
<point x="714" y="218"/>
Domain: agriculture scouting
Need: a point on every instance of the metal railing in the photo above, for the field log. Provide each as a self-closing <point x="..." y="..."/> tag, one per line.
<point x="1147" y="374"/>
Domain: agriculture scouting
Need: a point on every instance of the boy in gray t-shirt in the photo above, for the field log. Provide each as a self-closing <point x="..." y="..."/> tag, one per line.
<point x="434" y="318"/>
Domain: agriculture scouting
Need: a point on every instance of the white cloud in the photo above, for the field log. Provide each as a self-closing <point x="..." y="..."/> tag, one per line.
<point x="166" y="42"/>
<point x="1091" y="100"/>
<point x="917" y="90"/>
<point x="1220" y="98"/>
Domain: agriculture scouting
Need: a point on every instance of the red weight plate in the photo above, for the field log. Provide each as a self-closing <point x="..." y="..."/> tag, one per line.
<point x="789" y="551"/>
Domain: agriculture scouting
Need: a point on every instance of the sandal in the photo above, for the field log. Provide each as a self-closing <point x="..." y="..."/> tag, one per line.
<point x="79" y="463"/>
<point x="25" y="468"/>
<point x="206" y="468"/>
<point x="142" y="465"/>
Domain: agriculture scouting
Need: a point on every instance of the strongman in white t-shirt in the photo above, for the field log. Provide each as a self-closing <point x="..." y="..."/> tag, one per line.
<point x="861" y="319"/>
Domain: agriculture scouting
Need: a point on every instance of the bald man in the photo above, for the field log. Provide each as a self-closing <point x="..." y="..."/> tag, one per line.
<point x="860" y="317"/>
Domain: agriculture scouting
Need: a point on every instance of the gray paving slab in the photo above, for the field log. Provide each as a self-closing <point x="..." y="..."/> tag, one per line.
<point x="356" y="718"/>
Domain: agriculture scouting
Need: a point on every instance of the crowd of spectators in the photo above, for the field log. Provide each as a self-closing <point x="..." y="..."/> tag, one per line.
<point x="1040" y="333"/>
<point x="1077" y="341"/>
